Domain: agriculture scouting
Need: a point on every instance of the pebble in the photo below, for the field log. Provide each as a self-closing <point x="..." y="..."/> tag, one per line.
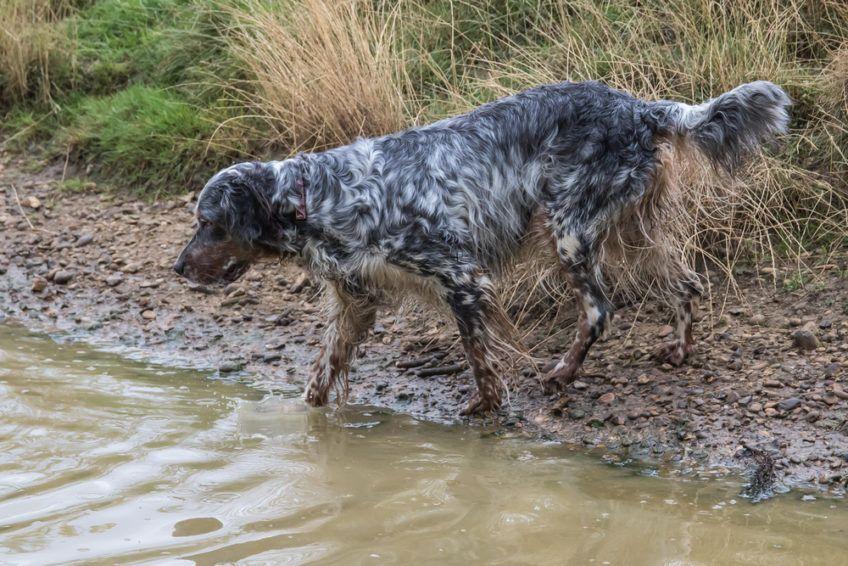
<point x="148" y="314"/>
<point x="63" y="277"/>
<point x="789" y="404"/>
<point x="805" y="340"/>
<point x="665" y="331"/>
<point x="607" y="398"/>
<point x="758" y="319"/>
<point x="39" y="284"/>
<point x="84" y="240"/>
<point x="580" y="385"/>
<point x="230" y="366"/>
<point x="114" y="280"/>
<point x="840" y="392"/>
<point x="31" y="202"/>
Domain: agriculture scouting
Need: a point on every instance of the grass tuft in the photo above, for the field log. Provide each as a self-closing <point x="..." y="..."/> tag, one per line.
<point x="321" y="72"/>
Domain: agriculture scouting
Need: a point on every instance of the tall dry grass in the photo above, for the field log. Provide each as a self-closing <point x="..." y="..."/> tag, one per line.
<point x="28" y="40"/>
<point x="322" y="72"/>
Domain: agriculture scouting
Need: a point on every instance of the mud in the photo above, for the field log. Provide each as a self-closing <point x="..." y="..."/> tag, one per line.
<point x="768" y="377"/>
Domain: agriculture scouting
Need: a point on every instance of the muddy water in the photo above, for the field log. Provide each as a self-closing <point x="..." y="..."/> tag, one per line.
<point x="103" y="460"/>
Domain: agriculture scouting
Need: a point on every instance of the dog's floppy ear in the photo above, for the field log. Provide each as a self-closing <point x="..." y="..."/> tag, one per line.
<point x="248" y="206"/>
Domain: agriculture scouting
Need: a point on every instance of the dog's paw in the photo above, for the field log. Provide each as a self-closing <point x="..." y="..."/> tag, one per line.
<point x="559" y="377"/>
<point x="315" y="397"/>
<point x="674" y="353"/>
<point x="479" y="406"/>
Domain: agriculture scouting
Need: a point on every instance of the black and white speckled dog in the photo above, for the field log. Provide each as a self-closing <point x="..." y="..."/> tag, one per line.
<point x="440" y="208"/>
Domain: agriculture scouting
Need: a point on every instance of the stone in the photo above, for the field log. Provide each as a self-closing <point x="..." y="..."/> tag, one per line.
<point x="580" y="385"/>
<point x="606" y="398"/>
<point x="39" y="284"/>
<point x="665" y="331"/>
<point x="230" y="366"/>
<point x="63" y="277"/>
<point x="789" y="404"/>
<point x="84" y="240"/>
<point x="804" y="339"/>
<point x="759" y="319"/>
<point x="148" y="314"/>
<point x="31" y="202"/>
<point x="114" y="280"/>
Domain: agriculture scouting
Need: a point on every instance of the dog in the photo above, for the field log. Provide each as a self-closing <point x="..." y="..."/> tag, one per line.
<point x="443" y="208"/>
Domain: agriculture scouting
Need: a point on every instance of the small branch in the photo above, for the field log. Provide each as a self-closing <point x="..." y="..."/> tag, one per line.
<point x="21" y="208"/>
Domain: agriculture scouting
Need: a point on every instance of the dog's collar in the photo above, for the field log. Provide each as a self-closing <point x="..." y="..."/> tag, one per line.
<point x="300" y="209"/>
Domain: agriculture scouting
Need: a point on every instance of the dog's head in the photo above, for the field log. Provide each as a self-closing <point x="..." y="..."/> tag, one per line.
<point x="240" y="218"/>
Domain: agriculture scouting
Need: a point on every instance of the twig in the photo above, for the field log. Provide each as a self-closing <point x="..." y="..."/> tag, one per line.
<point x="442" y="370"/>
<point x="21" y="208"/>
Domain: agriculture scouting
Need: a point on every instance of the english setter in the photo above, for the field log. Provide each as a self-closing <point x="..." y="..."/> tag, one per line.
<point x="443" y="207"/>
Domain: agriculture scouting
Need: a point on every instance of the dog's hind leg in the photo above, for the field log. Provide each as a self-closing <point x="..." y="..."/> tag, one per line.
<point x="578" y="253"/>
<point x="687" y="291"/>
<point x="353" y="313"/>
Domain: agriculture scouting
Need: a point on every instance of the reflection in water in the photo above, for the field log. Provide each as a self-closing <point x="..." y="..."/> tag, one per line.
<point x="105" y="460"/>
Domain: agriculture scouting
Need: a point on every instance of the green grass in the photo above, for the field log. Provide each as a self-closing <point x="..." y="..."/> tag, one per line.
<point x="149" y="138"/>
<point x="153" y="82"/>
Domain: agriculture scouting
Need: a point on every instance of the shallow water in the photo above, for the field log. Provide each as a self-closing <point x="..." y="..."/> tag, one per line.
<point x="104" y="460"/>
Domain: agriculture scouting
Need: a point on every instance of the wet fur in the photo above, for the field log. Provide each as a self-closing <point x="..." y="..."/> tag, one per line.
<point x="440" y="209"/>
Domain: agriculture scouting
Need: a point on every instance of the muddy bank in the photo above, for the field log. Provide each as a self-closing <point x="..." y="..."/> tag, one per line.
<point x="769" y="376"/>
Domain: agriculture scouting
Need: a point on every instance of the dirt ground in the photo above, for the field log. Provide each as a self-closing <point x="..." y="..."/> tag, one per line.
<point x="767" y="384"/>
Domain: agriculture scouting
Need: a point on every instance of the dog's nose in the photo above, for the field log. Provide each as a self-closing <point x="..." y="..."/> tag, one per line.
<point x="179" y="266"/>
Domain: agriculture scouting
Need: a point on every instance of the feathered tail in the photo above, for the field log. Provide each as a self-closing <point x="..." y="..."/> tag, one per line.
<point x="726" y="129"/>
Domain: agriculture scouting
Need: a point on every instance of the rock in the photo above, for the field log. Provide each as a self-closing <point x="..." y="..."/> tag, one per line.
<point x="114" y="280"/>
<point x="805" y="340"/>
<point x="607" y="398"/>
<point x="148" y="314"/>
<point x="758" y="319"/>
<point x="643" y="379"/>
<point x="229" y="366"/>
<point x="771" y="412"/>
<point x="31" y="202"/>
<point x="300" y="284"/>
<point x="840" y="392"/>
<point x="773" y="383"/>
<point x="39" y="284"/>
<point x="788" y="404"/>
<point x="580" y="385"/>
<point x="84" y="240"/>
<point x="665" y="331"/>
<point x="62" y="277"/>
<point x="755" y="407"/>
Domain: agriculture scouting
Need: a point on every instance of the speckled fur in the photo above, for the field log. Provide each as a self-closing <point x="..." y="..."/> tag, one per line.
<point x="442" y="208"/>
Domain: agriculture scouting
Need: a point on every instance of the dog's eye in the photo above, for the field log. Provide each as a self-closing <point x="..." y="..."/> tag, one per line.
<point x="203" y="223"/>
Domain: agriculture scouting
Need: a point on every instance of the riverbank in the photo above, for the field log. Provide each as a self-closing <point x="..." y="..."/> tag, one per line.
<point x="769" y="375"/>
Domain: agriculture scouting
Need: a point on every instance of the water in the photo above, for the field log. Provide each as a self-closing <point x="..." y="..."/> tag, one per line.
<point x="103" y="460"/>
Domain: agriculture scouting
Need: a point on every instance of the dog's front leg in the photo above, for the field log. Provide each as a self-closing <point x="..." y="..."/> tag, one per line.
<point x="469" y="298"/>
<point x="352" y="315"/>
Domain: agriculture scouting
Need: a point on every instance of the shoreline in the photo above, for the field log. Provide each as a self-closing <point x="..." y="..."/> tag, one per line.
<point x="98" y="267"/>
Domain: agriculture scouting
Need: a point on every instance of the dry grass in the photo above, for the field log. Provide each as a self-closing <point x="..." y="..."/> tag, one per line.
<point x="322" y="71"/>
<point x="27" y="46"/>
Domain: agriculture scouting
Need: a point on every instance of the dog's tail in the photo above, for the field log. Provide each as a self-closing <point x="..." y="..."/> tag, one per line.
<point x="728" y="128"/>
